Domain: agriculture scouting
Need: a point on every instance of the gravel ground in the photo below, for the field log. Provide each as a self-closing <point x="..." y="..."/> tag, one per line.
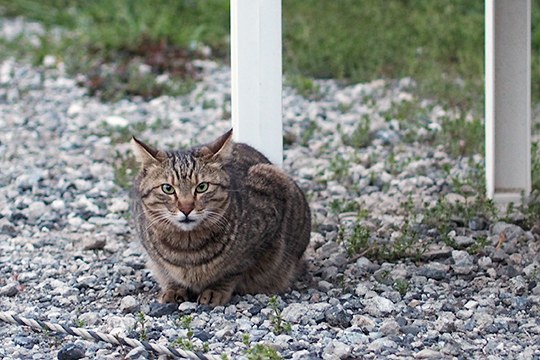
<point x="68" y="253"/>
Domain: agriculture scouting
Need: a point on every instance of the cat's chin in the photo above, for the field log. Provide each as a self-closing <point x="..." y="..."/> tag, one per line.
<point x="187" y="226"/>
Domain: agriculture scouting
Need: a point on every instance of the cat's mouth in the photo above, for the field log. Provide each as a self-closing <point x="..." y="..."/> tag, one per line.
<point x="187" y="220"/>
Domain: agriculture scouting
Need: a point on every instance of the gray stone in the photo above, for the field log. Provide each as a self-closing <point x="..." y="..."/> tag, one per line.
<point x="532" y="270"/>
<point x="337" y="350"/>
<point x="129" y="304"/>
<point x="324" y="286"/>
<point x="9" y="290"/>
<point x="428" y="354"/>
<point x="379" y="306"/>
<point x="91" y="243"/>
<point x="71" y="351"/>
<point x="138" y="353"/>
<point x="158" y="309"/>
<point x="462" y="258"/>
<point x="434" y="270"/>
<point x="25" y="341"/>
<point x="389" y="327"/>
<point x="463" y="262"/>
<point x="484" y="262"/>
<point x="511" y="231"/>
<point x="365" y="323"/>
<point x="294" y="313"/>
<point x="382" y="344"/>
<point x="464" y="241"/>
<point x="365" y="264"/>
<point x="35" y="210"/>
<point x="336" y="316"/>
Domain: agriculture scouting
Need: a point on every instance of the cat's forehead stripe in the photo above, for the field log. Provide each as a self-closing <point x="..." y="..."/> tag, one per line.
<point x="184" y="165"/>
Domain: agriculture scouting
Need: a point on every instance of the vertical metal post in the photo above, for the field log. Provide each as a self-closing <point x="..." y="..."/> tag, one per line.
<point x="256" y="72"/>
<point x="508" y="99"/>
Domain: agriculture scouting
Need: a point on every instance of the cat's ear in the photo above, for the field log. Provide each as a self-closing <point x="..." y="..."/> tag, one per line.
<point x="220" y="148"/>
<point x="146" y="154"/>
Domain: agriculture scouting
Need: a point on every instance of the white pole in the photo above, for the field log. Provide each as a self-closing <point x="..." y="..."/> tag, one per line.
<point x="256" y="75"/>
<point x="508" y="99"/>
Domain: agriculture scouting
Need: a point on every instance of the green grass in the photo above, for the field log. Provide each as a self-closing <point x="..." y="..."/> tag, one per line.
<point x="437" y="43"/>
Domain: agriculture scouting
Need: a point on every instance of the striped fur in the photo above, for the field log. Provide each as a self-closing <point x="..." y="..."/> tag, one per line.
<point x="230" y="222"/>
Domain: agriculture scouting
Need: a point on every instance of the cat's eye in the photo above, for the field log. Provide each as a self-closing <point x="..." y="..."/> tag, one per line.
<point x="202" y="187"/>
<point x="167" y="189"/>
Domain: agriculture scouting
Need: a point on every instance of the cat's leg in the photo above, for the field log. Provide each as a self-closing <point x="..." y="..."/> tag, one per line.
<point x="171" y="291"/>
<point x="219" y="293"/>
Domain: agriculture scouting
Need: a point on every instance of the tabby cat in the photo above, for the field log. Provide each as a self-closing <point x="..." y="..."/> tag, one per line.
<point x="218" y="219"/>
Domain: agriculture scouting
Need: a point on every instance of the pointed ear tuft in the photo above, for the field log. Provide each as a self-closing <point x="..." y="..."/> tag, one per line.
<point x="145" y="154"/>
<point x="221" y="147"/>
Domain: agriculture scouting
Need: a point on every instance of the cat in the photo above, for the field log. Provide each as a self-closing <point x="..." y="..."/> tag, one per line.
<point x="218" y="220"/>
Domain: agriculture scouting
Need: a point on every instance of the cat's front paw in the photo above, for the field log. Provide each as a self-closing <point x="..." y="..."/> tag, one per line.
<point x="215" y="297"/>
<point x="174" y="295"/>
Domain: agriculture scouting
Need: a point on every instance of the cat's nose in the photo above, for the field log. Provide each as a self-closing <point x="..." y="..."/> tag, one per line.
<point x="186" y="208"/>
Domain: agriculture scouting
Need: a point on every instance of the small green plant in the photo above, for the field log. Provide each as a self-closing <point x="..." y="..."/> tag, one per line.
<point x="280" y="326"/>
<point x="342" y="282"/>
<point x="308" y="132"/>
<point x="338" y="206"/>
<point x="185" y="343"/>
<point x="209" y="104"/>
<point x="185" y="322"/>
<point x="246" y="340"/>
<point x="461" y="137"/>
<point x="344" y="107"/>
<point x="262" y="352"/>
<point x="140" y="322"/>
<point x="361" y="136"/>
<point x="480" y="243"/>
<point x="160" y="124"/>
<point x="339" y="166"/>
<point x="402" y="286"/>
<point x="358" y="240"/>
<point x="80" y="323"/>
<point x="125" y="168"/>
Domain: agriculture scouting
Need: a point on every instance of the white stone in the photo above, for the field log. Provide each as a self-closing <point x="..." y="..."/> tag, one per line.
<point x="49" y="61"/>
<point x="58" y="204"/>
<point x="381" y="344"/>
<point x="187" y="306"/>
<point x="35" y="210"/>
<point x="74" y="109"/>
<point x="428" y="354"/>
<point x="118" y="205"/>
<point x="116" y="121"/>
<point x="378" y="305"/>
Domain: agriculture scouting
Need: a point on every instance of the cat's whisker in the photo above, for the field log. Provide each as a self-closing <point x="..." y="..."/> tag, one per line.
<point x="218" y="219"/>
<point x="162" y="216"/>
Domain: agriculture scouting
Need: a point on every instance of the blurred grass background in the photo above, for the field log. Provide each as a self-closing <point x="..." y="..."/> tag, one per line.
<point x="437" y="43"/>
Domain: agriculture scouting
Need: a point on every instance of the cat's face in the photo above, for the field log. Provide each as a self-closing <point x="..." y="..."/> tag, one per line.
<point x="187" y="190"/>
